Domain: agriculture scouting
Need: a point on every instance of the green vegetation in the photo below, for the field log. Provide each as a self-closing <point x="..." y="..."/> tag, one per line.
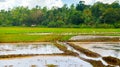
<point x="99" y="15"/>
<point x="27" y="34"/>
<point x="24" y="30"/>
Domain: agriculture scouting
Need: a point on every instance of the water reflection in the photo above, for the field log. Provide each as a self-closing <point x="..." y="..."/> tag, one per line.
<point x="105" y="49"/>
<point x="115" y="48"/>
<point x="41" y="61"/>
<point x="7" y="49"/>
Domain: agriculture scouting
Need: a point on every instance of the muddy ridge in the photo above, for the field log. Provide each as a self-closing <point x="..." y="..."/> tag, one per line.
<point x="84" y="51"/>
<point x="31" y="55"/>
<point x="112" y="60"/>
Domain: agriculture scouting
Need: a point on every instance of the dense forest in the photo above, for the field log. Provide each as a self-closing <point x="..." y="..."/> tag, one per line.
<point x="99" y="15"/>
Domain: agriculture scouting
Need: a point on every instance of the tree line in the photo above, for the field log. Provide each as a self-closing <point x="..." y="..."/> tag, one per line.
<point x="99" y="15"/>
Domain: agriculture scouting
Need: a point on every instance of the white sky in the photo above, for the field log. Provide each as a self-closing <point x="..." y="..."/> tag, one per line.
<point x="93" y="1"/>
<point x="5" y="4"/>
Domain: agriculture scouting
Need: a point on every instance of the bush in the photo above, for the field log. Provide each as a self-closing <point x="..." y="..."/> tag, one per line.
<point x="104" y="25"/>
<point x="84" y="26"/>
<point x="117" y="24"/>
<point x="55" y="24"/>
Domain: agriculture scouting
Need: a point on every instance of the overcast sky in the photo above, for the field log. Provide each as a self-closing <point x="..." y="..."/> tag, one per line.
<point x="5" y="4"/>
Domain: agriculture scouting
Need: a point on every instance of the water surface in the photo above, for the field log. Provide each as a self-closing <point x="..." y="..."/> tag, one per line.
<point x="7" y="49"/>
<point x="103" y="48"/>
<point x="42" y="61"/>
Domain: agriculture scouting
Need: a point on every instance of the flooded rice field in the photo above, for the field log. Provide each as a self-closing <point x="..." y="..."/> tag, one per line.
<point x="43" y="61"/>
<point x="8" y="49"/>
<point x="37" y="61"/>
<point x="102" y="48"/>
<point x="62" y="54"/>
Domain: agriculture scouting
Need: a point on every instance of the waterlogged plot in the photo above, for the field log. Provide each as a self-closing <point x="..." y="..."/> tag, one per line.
<point x="103" y="48"/>
<point x="108" y="49"/>
<point x="8" y="49"/>
<point x="43" y="61"/>
<point x="61" y="54"/>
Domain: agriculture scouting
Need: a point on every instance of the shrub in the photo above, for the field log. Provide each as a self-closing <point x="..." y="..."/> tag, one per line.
<point x="104" y="25"/>
<point x="117" y="24"/>
<point x="56" y="24"/>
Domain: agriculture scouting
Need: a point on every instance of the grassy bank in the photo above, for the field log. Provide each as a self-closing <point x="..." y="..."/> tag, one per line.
<point x="28" y="34"/>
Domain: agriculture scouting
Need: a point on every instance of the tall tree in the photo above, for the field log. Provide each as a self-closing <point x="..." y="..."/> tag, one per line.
<point x="19" y="15"/>
<point x="76" y="18"/>
<point x="81" y="6"/>
<point x="35" y="17"/>
<point x="88" y="18"/>
<point x="111" y="15"/>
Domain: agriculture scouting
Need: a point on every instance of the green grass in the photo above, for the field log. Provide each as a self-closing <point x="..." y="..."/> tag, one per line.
<point x="31" y="38"/>
<point x="54" y="30"/>
<point x="20" y="34"/>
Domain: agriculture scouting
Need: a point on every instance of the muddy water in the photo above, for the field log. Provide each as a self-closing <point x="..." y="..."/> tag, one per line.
<point x="102" y="48"/>
<point x="42" y="61"/>
<point x="112" y="57"/>
<point x="37" y="61"/>
<point x="8" y="49"/>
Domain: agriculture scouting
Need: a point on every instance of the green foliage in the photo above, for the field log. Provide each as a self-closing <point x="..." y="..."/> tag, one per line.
<point x="117" y="24"/>
<point x="111" y="15"/>
<point x="104" y="25"/>
<point x="76" y="18"/>
<point x="56" y="24"/>
<point x="79" y="15"/>
<point x="81" y="6"/>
